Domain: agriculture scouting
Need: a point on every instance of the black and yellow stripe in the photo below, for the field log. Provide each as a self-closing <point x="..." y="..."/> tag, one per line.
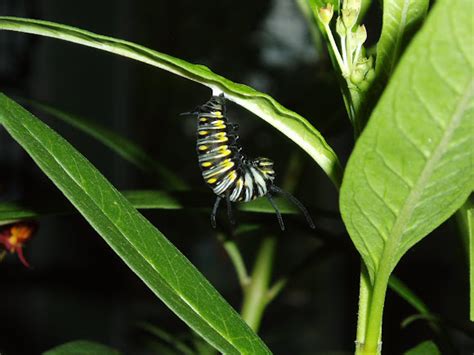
<point x="225" y="169"/>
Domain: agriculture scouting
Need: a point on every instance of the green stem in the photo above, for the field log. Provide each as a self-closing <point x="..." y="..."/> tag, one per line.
<point x="364" y="302"/>
<point x="372" y="344"/>
<point x="235" y="256"/>
<point x="256" y="292"/>
<point x="335" y="50"/>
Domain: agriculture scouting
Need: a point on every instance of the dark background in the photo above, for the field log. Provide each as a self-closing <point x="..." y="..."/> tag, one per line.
<point x="79" y="289"/>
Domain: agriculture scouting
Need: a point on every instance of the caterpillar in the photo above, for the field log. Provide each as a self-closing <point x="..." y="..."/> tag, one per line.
<point x="230" y="174"/>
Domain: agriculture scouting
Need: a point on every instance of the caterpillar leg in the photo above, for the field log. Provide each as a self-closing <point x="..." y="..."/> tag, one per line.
<point x="233" y="126"/>
<point x="189" y="113"/>
<point x="277" y="211"/>
<point x="229" y="209"/>
<point x="214" y="211"/>
<point x="295" y="201"/>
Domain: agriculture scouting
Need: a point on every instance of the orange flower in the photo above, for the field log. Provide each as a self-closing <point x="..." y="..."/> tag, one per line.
<point x="13" y="237"/>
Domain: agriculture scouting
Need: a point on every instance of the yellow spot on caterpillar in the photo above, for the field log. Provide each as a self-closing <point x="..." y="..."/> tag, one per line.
<point x="202" y="133"/>
<point x="211" y="180"/>
<point x="206" y="164"/>
<point x="227" y="163"/>
<point x="203" y="119"/>
<point x="219" y="124"/>
<point x="217" y="114"/>
<point x="202" y="147"/>
<point x="221" y="137"/>
<point x="232" y="175"/>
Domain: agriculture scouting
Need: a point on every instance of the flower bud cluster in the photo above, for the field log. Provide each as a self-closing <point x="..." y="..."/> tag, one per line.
<point x="356" y="68"/>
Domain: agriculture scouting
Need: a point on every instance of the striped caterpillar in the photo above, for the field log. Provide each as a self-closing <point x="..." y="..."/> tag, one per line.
<point x="230" y="174"/>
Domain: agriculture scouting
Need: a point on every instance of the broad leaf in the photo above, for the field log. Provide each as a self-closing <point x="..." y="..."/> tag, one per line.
<point x="119" y="144"/>
<point x="145" y="250"/>
<point x="294" y="126"/>
<point x="82" y="347"/>
<point x="401" y="20"/>
<point x="412" y="167"/>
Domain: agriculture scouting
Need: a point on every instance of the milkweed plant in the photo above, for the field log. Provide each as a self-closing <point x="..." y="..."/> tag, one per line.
<point x="409" y="99"/>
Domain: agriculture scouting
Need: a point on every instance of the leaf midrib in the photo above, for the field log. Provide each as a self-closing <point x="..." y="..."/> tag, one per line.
<point x="399" y="36"/>
<point x="121" y="233"/>
<point x="396" y="233"/>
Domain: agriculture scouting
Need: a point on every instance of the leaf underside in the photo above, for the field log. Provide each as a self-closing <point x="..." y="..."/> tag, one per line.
<point x="412" y="167"/>
<point x="401" y="19"/>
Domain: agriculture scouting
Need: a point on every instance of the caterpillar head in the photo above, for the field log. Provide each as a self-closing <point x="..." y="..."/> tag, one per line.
<point x="217" y="103"/>
<point x="265" y="166"/>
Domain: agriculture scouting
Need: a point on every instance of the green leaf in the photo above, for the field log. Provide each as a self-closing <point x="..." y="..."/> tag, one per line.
<point x="291" y="124"/>
<point x="466" y="223"/>
<point x="167" y="338"/>
<point x="408" y="295"/>
<point x="141" y="199"/>
<point x="119" y="144"/>
<point x="412" y="167"/>
<point x="82" y="347"/>
<point x="425" y="348"/>
<point x="142" y="247"/>
<point x="434" y="321"/>
<point x="401" y="20"/>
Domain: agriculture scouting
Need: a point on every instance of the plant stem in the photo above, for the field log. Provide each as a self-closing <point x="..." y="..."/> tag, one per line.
<point x="335" y="50"/>
<point x="235" y="256"/>
<point x="256" y="292"/>
<point x="364" y="302"/>
<point x="373" y="331"/>
<point x="349" y="50"/>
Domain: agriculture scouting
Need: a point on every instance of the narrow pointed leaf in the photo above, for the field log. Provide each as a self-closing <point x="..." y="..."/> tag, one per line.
<point x="412" y="167"/>
<point x="291" y="124"/>
<point x="141" y="246"/>
<point x="119" y="144"/>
